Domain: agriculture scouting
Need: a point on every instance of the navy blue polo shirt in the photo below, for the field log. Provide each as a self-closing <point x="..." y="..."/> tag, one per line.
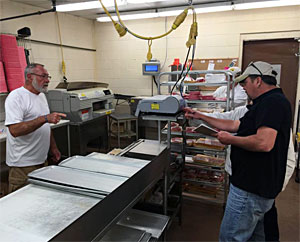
<point x="263" y="173"/>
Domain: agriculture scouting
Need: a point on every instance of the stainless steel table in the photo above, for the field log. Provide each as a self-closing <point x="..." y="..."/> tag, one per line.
<point x="39" y="213"/>
<point x="53" y="126"/>
<point x="36" y="213"/>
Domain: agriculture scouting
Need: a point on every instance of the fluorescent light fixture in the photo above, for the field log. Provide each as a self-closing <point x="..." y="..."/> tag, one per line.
<point x="129" y="17"/>
<point x="87" y="5"/>
<point x="165" y="13"/>
<point x="204" y="9"/>
<point x="170" y="13"/>
<point x="214" y="9"/>
<point x="266" y="4"/>
<point x="144" y="1"/>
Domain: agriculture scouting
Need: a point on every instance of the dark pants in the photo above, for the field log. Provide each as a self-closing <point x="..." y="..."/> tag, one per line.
<point x="271" y="224"/>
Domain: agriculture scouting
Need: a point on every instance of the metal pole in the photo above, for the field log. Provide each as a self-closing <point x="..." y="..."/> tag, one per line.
<point x="35" y="13"/>
<point x="169" y="134"/>
<point x="69" y="143"/>
<point x="159" y="137"/>
<point x="166" y="191"/>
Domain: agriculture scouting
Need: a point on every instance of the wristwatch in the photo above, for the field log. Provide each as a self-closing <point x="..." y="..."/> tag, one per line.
<point x="46" y="119"/>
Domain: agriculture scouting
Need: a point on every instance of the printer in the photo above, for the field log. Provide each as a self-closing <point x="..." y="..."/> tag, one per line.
<point x="81" y="101"/>
<point x="161" y="105"/>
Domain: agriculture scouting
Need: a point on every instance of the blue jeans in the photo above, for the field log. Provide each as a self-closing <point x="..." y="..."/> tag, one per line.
<point x="244" y="216"/>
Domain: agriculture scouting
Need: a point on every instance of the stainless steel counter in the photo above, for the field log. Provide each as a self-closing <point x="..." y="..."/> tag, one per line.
<point x="39" y="213"/>
<point x="36" y="213"/>
<point x="61" y="123"/>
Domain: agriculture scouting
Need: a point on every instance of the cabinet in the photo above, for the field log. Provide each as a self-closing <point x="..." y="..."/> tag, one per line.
<point x="204" y="175"/>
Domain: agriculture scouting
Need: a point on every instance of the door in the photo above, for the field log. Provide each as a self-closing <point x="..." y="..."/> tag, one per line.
<point x="281" y="53"/>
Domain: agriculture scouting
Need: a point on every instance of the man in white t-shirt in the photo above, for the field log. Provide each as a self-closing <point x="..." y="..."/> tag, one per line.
<point x="240" y="96"/>
<point x="28" y="131"/>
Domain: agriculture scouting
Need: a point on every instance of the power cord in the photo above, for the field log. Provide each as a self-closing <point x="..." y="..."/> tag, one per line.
<point x="122" y="29"/>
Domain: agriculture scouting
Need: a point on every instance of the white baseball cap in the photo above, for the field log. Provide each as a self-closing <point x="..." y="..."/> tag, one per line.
<point x="259" y="68"/>
<point x="234" y="70"/>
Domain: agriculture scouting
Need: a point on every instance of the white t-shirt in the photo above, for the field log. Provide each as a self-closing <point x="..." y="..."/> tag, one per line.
<point x="21" y="105"/>
<point x="240" y="96"/>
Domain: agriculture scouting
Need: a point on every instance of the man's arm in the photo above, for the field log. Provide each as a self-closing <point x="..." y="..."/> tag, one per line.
<point x="262" y="141"/>
<point x="222" y="124"/>
<point x="28" y="127"/>
<point x="53" y="149"/>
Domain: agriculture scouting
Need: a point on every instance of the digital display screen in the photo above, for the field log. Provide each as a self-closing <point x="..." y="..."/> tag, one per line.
<point x="106" y="92"/>
<point x="151" y="68"/>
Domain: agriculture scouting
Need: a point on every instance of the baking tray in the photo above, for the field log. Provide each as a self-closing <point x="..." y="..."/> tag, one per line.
<point x="148" y="147"/>
<point x="63" y="188"/>
<point x="69" y="177"/>
<point x="34" y="213"/>
<point x="107" y="166"/>
<point x="138" y="163"/>
<point x="152" y="223"/>
<point x="122" y="233"/>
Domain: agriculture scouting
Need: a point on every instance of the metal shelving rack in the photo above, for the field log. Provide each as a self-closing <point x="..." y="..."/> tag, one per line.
<point x="229" y="102"/>
<point x="221" y="186"/>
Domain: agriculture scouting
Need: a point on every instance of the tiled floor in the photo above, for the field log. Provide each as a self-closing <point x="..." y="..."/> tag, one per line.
<point x="201" y="221"/>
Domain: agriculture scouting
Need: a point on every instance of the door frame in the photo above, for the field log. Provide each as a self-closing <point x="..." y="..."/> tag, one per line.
<point x="273" y="36"/>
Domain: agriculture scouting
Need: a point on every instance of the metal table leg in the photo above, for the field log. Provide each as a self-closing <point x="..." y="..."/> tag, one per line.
<point x="119" y="141"/>
<point x="69" y="142"/>
<point x="165" y="192"/>
<point x="297" y="165"/>
<point x="137" y="129"/>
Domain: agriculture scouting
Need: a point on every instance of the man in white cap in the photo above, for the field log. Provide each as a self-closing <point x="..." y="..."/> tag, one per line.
<point x="258" y="154"/>
<point x="240" y="96"/>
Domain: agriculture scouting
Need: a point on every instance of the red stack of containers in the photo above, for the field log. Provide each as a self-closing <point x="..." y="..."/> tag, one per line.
<point x="22" y="58"/>
<point x="12" y="65"/>
<point x="3" y="87"/>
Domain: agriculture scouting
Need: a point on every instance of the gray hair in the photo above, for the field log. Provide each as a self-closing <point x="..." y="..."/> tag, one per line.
<point x="30" y="67"/>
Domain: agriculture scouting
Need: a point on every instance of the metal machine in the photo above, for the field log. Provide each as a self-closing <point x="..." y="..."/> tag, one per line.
<point x="86" y="105"/>
<point x="161" y="104"/>
<point x="81" y="101"/>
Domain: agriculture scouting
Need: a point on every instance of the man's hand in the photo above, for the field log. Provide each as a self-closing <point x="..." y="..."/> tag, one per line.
<point x="190" y="113"/>
<point x="225" y="137"/>
<point x="55" y="155"/>
<point x="54" y="118"/>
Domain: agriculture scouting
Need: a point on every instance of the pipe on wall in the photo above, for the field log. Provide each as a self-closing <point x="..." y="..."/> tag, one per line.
<point x="31" y="14"/>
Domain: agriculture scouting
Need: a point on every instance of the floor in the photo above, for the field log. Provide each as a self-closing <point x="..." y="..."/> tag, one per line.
<point x="201" y="221"/>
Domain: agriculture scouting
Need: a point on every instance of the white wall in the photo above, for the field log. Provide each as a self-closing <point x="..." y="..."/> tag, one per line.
<point x="119" y="60"/>
<point x="75" y="31"/>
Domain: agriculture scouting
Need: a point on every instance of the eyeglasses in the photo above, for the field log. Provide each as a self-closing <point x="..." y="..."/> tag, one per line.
<point x="252" y="64"/>
<point x="42" y="76"/>
<point x="243" y="83"/>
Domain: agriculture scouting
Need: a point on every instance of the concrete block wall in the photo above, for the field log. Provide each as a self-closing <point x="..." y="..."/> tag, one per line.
<point x="75" y="31"/>
<point x="220" y="35"/>
<point x="118" y="61"/>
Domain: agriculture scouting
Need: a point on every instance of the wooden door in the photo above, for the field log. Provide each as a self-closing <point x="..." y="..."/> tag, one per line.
<point x="279" y="52"/>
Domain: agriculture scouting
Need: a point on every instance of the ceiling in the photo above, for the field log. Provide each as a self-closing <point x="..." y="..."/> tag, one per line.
<point x="94" y="13"/>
